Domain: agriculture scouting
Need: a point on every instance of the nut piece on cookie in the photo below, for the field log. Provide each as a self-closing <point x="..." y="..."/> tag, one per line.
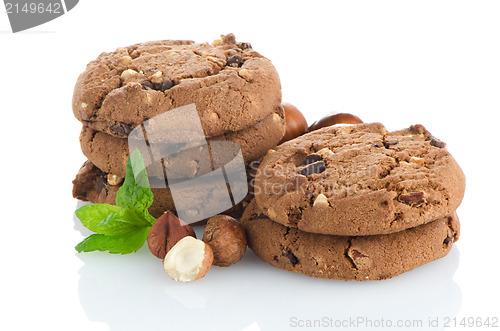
<point x="189" y="260"/>
<point x="129" y="74"/>
<point x="245" y="74"/>
<point x="321" y="201"/>
<point x="114" y="179"/>
<point x="227" y="238"/>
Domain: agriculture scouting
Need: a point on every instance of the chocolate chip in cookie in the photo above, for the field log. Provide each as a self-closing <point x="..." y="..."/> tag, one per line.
<point x="147" y="85"/>
<point x="290" y="256"/>
<point x="311" y="158"/>
<point x="437" y="143"/>
<point x="312" y="168"/>
<point x="413" y="199"/>
<point x="244" y="45"/>
<point x="166" y="85"/>
<point x="235" y="61"/>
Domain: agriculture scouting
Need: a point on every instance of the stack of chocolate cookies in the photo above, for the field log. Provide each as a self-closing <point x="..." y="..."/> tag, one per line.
<point x="355" y="202"/>
<point x="236" y="92"/>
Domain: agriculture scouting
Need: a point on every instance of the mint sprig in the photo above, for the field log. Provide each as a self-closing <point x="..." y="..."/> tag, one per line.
<point x="120" y="228"/>
<point x="135" y="193"/>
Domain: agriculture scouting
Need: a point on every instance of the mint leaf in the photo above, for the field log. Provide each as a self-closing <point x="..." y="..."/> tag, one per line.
<point x="122" y="244"/>
<point x="135" y="193"/>
<point x="110" y="219"/>
<point x="122" y="228"/>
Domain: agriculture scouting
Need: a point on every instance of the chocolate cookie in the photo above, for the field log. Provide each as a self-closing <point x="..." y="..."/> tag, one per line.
<point x="343" y="257"/>
<point x="359" y="180"/>
<point x="231" y="85"/>
<point x="110" y="154"/>
<point x="92" y="184"/>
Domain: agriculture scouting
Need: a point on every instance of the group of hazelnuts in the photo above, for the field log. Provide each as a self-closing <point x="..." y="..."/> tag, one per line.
<point x="186" y="258"/>
<point x="224" y="243"/>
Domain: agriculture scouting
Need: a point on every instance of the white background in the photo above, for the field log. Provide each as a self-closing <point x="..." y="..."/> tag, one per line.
<point x="398" y="62"/>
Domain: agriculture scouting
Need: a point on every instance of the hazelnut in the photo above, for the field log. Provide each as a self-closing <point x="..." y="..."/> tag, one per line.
<point x="296" y="124"/>
<point x="166" y="232"/>
<point x="339" y="118"/>
<point x="188" y="260"/>
<point x="226" y="237"/>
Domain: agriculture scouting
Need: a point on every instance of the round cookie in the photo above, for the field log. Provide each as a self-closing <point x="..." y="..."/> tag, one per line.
<point x="349" y="258"/>
<point x="359" y="180"/>
<point x="92" y="184"/>
<point x="232" y="86"/>
<point x="110" y="154"/>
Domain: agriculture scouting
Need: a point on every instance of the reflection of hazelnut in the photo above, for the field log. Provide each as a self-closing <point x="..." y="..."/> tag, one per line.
<point x="189" y="260"/>
<point x="226" y="237"/>
<point x="114" y="179"/>
<point x="296" y="124"/>
<point x="166" y="232"/>
<point x="339" y="118"/>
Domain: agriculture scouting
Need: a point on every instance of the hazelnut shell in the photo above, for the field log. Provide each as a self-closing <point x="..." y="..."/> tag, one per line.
<point x="339" y="118"/>
<point x="296" y="124"/>
<point x="227" y="238"/>
<point x="166" y="232"/>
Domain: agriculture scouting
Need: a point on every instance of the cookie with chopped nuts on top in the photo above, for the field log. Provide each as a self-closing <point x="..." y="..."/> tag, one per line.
<point x="359" y="180"/>
<point x="360" y="258"/>
<point x="232" y="86"/>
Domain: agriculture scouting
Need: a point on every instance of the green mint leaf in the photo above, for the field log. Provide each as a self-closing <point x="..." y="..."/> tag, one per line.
<point x="110" y="219"/>
<point x="135" y="193"/>
<point x="122" y="244"/>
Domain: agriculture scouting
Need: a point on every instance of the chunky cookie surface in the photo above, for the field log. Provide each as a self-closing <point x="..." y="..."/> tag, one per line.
<point x="359" y="180"/>
<point x="110" y="154"/>
<point x="93" y="185"/>
<point x="231" y="85"/>
<point x="348" y="257"/>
